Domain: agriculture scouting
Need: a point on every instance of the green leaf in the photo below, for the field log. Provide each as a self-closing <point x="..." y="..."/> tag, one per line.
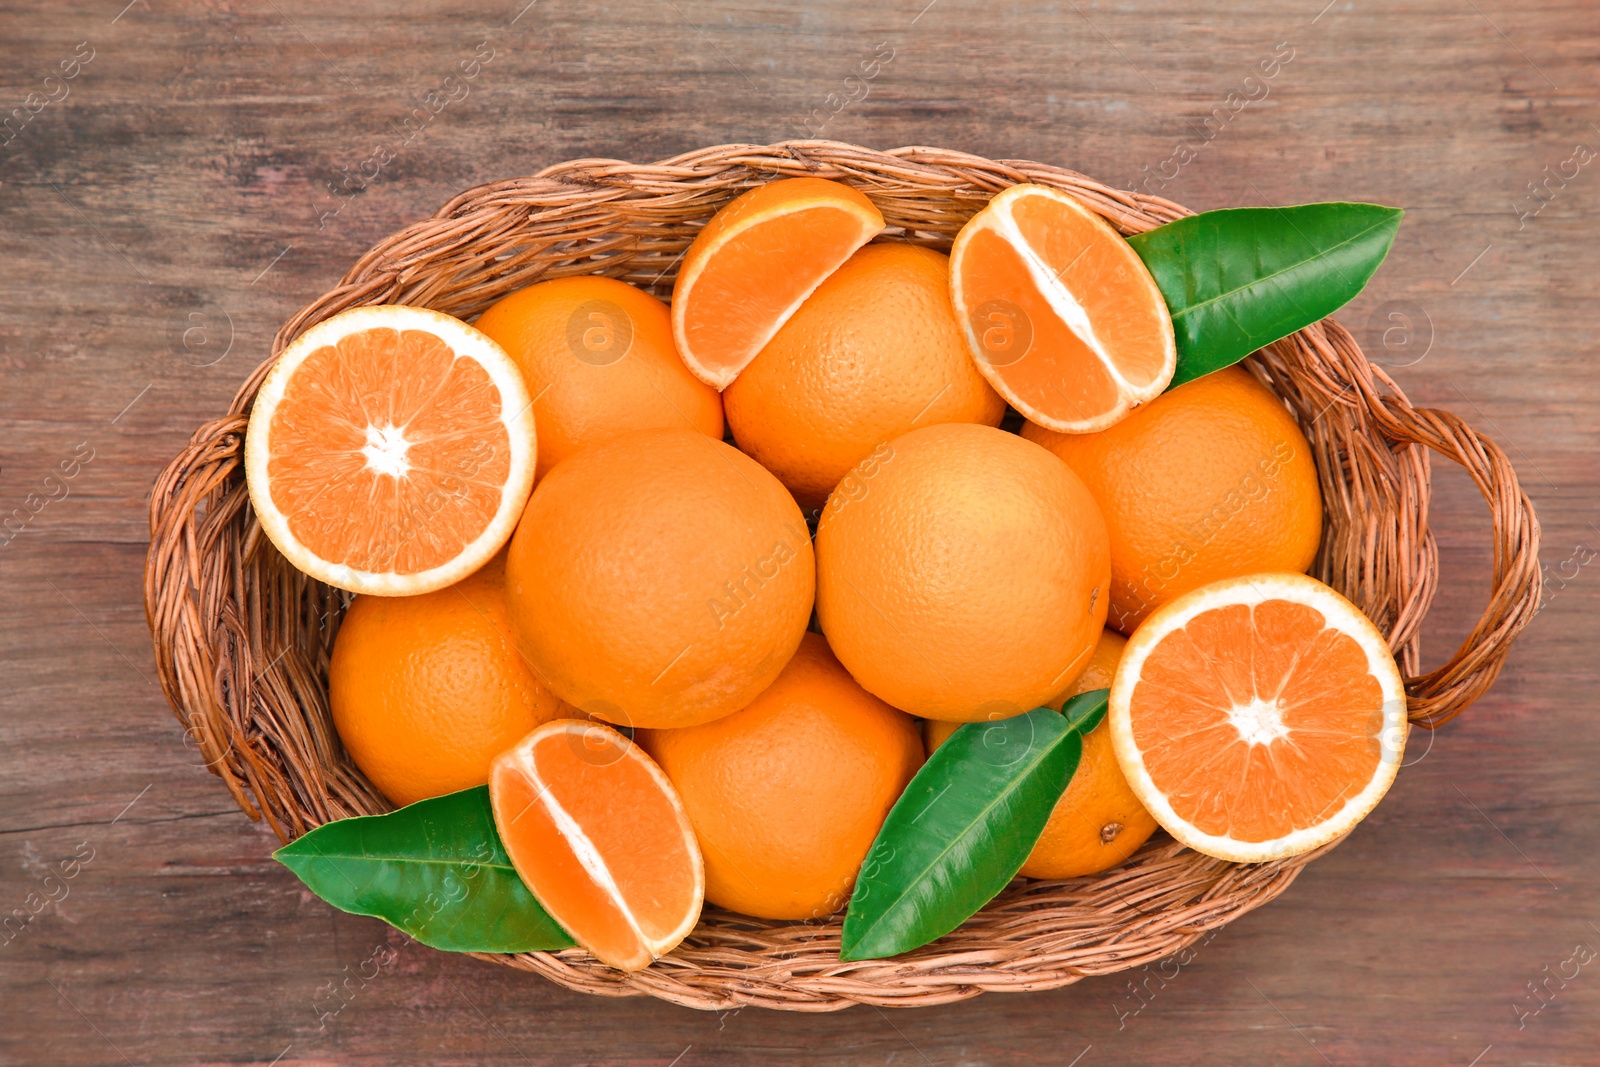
<point x="434" y="869"/>
<point x="1086" y="711"/>
<point x="963" y="828"/>
<point x="1238" y="279"/>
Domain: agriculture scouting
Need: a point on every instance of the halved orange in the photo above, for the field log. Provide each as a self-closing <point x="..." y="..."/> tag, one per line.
<point x="390" y="450"/>
<point x="1059" y="311"/>
<point x="600" y="837"/>
<point x="1258" y="718"/>
<point x="755" y="262"/>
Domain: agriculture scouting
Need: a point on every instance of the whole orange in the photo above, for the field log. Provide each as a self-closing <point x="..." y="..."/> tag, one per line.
<point x="599" y="360"/>
<point x="426" y="690"/>
<point x="1097" y="674"/>
<point x="1210" y="480"/>
<point x="874" y="352"/>
<point x="660" y="579"/>
<point x="787" y="794"/>
<point x="961" y="573"/>
<point x="1098" y="822"/>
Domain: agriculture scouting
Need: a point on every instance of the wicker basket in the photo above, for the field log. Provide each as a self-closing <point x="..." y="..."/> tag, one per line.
<point x="242" y="639"/>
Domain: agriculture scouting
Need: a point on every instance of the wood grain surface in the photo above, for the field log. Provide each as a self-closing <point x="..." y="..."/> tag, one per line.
<point x="177" y="178"/>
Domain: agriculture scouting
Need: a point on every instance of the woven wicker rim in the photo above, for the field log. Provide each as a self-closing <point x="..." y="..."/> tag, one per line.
<point x="242" y="639"/>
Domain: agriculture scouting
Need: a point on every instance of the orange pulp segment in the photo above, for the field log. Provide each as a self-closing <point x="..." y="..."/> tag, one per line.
<point x="1061" y="315"/>
<point x="1258" y="718"/>
<point x="600" y="837"/>
<point x="755" y="262"/>
<point x="390" y="450"/>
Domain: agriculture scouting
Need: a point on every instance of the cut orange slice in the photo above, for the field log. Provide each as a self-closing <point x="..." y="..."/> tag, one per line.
<point x="755" y="262"/>
<point x="601" y="839"/>
<point x="1258" y="718"/>
<point x="1059" y="311"/>
<point x="390" y="450"/>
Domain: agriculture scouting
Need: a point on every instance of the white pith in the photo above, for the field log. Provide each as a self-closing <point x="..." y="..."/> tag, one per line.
<point x="684" y="289"/>
<point x="386" y="445"/>
<point x="1055" y="292"/>
<point x="1340" y="615"/>
<point x="386" y="450"/>
<point x="1259" y="722"/>
<point x="998" y="218"/>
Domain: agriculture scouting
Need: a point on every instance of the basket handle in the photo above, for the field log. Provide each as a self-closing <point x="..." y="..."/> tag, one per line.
<point x="1441" y="694"/>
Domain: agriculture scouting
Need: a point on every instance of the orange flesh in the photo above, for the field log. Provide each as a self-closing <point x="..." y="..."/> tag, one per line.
<point x="1058" y="372"/>
<point x="632" y="825"/>
<point x="751" y="282"/>
<point x="1226" y="658"/>
<point x="565" y="889"/>
<point x="1104" y="274"/>
<point x="373" y="384"/>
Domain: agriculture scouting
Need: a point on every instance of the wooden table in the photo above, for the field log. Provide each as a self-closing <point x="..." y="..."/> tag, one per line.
<point x="166" y="203"/>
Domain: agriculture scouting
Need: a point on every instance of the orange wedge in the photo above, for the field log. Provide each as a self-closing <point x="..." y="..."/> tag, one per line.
<point x="1059" y="311"/>
<point x="601" y="839"/>
<point x="1258" y="718"/>
<point x="755" y="262"/>
<point x="390" y="450"/>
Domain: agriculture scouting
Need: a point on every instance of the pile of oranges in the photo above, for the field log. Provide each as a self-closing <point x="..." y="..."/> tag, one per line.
<point x="696" y="589"/>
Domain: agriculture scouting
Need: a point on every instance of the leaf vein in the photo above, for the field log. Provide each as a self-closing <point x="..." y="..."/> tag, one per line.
<point x="1263" y="279"/>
